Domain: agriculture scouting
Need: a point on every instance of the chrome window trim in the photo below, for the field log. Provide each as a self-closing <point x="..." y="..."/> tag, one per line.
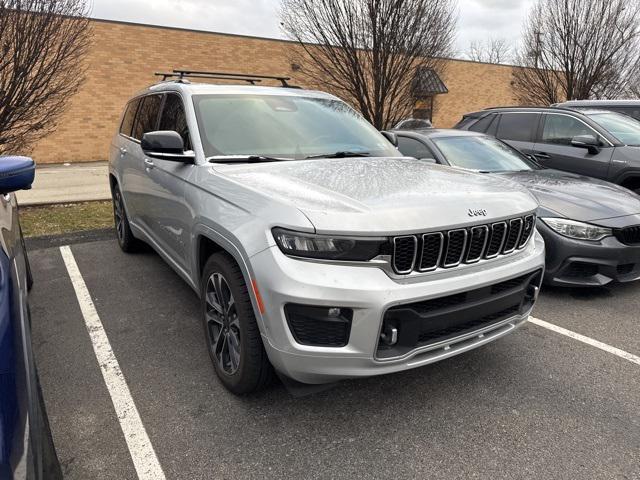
<point x="415" y="254"/>
<point x="439" y="259"/>
<point x="504" y="238"/>
<point x="464" y="247"/>
<point x="515" y="245"/>
<point x="484" y="245"/>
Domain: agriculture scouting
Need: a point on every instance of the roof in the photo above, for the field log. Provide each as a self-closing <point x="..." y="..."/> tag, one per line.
<point x="427" y="82"/>
<point x="439" y="133"/>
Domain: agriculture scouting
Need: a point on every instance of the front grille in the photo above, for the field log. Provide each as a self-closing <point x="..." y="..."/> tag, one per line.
<point x="629" y="235"/>
<point x="449" y="249"/>
<point x="429" y="322"/>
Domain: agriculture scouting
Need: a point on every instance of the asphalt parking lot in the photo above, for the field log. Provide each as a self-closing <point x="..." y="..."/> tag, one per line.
<point x="535" y="404"/>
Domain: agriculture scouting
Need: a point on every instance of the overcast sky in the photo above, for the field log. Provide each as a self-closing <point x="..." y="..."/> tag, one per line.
<point x="478" y="19"/>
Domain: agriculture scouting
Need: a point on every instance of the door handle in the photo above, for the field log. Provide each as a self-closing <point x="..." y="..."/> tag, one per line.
<point x="148" y="163"/>
<point x="123" y="151"/>
<point x="541" y="156"/>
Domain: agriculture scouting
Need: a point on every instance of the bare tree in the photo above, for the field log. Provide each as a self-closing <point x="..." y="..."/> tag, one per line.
<point x="577" y="49"/>
<point x="42" y="43"/>
<point x="368" y="51"/>
<point x="494" y="50"/>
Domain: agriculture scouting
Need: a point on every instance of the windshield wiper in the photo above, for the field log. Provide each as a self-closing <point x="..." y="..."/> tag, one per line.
<point x="244" y="159"/>
<point x="345" y="154"/>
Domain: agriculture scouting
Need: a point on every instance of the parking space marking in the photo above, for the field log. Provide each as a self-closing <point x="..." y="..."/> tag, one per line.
<point x="142" y="453"/>
<point x="589" y="341"/>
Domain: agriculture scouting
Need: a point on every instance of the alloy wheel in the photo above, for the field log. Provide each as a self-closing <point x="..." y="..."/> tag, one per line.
<point x="223" y="327"/>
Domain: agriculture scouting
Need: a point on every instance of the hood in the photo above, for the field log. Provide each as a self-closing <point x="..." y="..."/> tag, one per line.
<point x="383" y="195"/>
<point x="577" y="197"/>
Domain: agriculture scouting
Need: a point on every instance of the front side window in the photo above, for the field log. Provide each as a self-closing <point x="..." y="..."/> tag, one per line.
<point x="174" y="118"/>
<point x="560" y="129"/>
<point x="518" y="127"/>
<point x="284" y="126"/>
<point x="411" y="147"/>
<point x="129" y="116"/>
<point x="623" y="127"/>
<point x="147" y="117"/>
<point x="483" y="153"/>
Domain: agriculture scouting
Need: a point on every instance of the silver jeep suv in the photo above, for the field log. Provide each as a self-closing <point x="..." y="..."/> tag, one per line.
<point x="315" y="247"/>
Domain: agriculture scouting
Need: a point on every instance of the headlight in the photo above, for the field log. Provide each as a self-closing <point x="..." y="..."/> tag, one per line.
<point x="578" y="230"/>
<point x="329" y="247"/>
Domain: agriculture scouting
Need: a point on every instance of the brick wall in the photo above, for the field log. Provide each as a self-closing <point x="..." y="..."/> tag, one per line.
<point x="124" y="56"/>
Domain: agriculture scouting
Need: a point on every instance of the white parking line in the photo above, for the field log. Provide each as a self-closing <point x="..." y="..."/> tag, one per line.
<point x="144" y="457"/>
<point x="589" y="341"/>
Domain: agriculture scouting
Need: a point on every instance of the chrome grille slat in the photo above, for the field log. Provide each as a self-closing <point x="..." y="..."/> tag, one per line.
<point x="496" y="247"/>
<point x="451" y="257"/>
<point x="405" y="249"/>
<point x="515" y="229"/>
<point x="432" y="243"/>
<point x="478" y="238"/>
<point x="448" y="249"/>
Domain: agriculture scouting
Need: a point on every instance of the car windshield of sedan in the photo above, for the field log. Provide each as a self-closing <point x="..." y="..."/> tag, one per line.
<point x="624" y="128"/>
<point x="285" y="126"/>
<point x="485" y="154"/>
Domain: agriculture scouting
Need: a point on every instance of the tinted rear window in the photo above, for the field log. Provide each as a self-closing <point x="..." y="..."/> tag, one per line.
<point x="129" y="117"/>
<point x="517" y="126"/>
<point x="147" y="118"/>
<point x="483" y="124"/>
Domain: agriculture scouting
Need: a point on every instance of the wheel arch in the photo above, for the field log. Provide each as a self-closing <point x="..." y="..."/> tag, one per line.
<point x="208" y="242"/>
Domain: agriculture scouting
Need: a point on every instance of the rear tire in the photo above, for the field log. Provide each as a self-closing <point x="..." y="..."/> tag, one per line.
<point x="128" y="243"/>
<point x="232" y="335"/>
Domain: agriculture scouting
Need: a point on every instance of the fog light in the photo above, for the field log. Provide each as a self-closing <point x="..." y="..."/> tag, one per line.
<point x="319" y="326"/>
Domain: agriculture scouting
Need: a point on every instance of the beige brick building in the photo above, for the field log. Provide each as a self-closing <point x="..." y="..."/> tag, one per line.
<point x="124" y="56"/>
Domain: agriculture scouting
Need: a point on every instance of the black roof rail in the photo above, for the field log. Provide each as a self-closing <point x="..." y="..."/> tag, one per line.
<point x="182" y="75"/>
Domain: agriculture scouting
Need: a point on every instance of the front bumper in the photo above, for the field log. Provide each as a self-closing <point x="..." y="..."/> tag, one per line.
<point x="370" y="292"/>
<point x="579" y="263"/>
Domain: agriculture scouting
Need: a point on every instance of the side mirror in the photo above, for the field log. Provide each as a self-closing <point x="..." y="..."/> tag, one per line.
<point x="392" y="137"/>
<point x="16" y="173"/>
<point x="166" y="145"/>
<point x="429" y="160"/>
<point x="589" y="142"/>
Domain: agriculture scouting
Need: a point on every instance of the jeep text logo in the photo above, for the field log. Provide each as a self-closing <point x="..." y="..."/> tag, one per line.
<point x="477" y="212"/>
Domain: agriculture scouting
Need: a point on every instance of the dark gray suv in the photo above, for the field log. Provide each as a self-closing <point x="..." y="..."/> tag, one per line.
<point x="596" y="143"/>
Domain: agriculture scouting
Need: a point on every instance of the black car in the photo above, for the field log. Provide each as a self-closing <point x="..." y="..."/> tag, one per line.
<point x="26" y="446"/>
<point x="596" y="143"/>
<point x="627" y="107"/>
<point x="591" y="227"/>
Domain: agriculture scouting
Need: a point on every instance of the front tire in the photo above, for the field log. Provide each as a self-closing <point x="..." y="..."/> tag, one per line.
<point x="231" y="332"/>
<point x="128" y="243"/>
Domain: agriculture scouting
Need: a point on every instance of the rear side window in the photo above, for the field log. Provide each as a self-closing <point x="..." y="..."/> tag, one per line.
<point x="129" y="116"/>
<point x="411" y="147"/>
<point x="483" y="124"/>
<point x="174" y="118"/>
<point x="147" y="117"/>
<point x="517" y="126"/>
<point x="560" y="129"/>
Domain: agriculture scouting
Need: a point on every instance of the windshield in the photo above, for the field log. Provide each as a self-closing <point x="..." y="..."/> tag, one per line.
<point x="624" y="128"/>
<point x="486" y="154"/>
<point x="284" y="126"/>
